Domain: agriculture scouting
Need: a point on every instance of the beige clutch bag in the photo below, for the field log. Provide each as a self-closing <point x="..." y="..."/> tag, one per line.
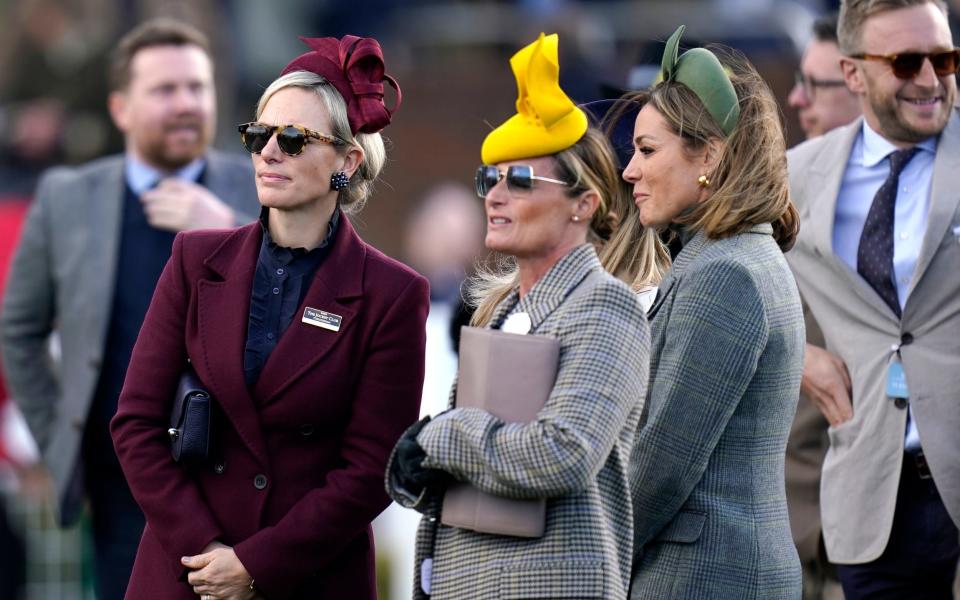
<point x="511" y="377"/>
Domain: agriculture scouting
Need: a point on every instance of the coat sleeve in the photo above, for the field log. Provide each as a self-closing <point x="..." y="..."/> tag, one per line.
<point x="317" y="528"/>
<point x="604" y="360"/>
<point x="715" y="333"/>
<point x="28" y="314"/>
<point x="168" y="496"/>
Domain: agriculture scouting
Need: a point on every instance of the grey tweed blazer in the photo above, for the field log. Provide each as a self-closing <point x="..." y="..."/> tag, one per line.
<point x="706" y="472"/>
<point x="575" y="453"/>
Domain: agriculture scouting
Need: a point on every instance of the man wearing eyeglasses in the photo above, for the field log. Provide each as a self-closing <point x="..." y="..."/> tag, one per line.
<point x="820" y="95"/>
<point x="91" y="251"/>
<point x="877" y="262"/>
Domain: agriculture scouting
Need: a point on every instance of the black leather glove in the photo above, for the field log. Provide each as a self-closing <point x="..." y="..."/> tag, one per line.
<point x="409" y="459"/>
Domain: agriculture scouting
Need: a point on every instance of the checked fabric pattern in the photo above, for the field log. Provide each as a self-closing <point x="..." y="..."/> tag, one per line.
<point x="875" y="253"/>
<point x="575" y="453"/>
<point x="709" y="508"/>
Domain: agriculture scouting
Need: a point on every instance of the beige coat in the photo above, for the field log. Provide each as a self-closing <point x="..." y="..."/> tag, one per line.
<point x="862" y="468"/>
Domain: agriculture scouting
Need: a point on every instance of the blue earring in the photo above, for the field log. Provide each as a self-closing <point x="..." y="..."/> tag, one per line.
<point x="339" y="180"/>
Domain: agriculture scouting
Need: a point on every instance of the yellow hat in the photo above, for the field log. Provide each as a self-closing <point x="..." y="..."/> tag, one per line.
<point x="547" y="121"/>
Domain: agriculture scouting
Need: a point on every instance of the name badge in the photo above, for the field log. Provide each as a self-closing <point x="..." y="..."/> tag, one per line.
<point x="321" y="319"/>
<point x="897" y="381"/>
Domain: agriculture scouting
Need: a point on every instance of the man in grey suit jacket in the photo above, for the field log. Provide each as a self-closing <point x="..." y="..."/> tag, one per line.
<point x="877" y="261"/>
<point x="91" y="251"/>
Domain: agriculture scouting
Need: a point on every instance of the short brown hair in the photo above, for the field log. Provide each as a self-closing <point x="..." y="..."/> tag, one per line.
<point x="854" y="13"/>
<point x="825" y="28"/>
<point x="750" y="184"/>
<point x="155" y="32"/>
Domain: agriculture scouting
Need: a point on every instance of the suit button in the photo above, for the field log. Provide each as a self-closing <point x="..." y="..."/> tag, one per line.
<point x="900" y="403"/>
<point x="306" y="430"/>
<point x="906" y="339"/>
<point x="96" y="364"/>
<point x="219" y="468"/>
<point x="78" y="424"/>
<point x="260" y="482"/>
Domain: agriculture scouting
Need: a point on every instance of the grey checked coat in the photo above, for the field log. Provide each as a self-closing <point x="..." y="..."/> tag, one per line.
<point x="574" y="453"/>
<point x="709" y="509"/>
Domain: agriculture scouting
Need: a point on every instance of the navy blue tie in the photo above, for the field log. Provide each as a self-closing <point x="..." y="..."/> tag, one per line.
<point x="875" y="253"/>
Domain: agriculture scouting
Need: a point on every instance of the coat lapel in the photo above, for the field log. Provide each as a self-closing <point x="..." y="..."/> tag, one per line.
<point x="303" y="345"/>
<point x="223" y="310"/>
<point x="688" y="253"/>
<point x="554" y="287"/>
<point x="103" y="214"/>
<point x="826" y="177"/>
<point x="944" y="198"/>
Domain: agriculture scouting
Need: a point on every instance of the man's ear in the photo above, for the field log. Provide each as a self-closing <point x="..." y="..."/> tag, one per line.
<point x="117" y="105"/>
<point x="853" y="76"/>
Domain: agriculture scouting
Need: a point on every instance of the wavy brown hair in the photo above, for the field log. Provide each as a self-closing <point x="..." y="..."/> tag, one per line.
<point x="629" y="251"/>
<point x="749" y="184"/>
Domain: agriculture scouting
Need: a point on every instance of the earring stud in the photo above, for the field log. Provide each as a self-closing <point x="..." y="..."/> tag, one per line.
<point x="339" y="180"/>
<point x="576" y="218"/>
<point x="703" y="181"/>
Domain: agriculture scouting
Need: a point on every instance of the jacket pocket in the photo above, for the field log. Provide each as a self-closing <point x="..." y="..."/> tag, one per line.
<point x="685" y="528"/>
<point x="553" y="579"/>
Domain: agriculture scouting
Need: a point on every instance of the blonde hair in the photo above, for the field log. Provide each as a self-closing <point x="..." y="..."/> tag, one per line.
<point x="628" y="250"/>
<point x="749" y="183"/>
<point x="854" y="13"/>
<point x="354" y="196"/>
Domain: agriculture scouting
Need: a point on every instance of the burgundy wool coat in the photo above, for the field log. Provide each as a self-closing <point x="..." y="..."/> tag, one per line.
<point x="298" y="475"/>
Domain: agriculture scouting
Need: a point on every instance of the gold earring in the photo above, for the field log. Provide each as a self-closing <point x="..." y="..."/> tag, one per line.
<point x="703" y="181"/>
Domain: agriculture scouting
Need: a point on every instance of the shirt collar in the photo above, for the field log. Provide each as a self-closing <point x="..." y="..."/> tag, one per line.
<point x="141" y="177"/>
<point x="284" y="254"/>
<point x="876" y="148"/>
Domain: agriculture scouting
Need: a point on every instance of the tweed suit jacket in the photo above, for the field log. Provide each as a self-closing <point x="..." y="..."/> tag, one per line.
<point x="574" y="453"/>
<point x="65" y="275"/>
<point x="861" y="472"/>
<point x="706" y="472"/>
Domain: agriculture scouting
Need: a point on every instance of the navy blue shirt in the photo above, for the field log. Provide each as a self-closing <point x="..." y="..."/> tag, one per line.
<point x="281" y="282"/>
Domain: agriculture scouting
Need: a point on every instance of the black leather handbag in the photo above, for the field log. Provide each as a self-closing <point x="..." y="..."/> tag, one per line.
<point x="190" y="420"/>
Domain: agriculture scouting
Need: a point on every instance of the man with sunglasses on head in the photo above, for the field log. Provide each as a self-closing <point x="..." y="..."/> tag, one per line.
<point x="877" y="262"/>
<point x="92" y="248"/>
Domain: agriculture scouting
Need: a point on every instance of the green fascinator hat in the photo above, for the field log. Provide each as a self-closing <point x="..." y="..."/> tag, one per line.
<point x="701" y="71"/>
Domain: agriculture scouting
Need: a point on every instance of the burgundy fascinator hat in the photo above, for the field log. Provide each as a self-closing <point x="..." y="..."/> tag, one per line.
<point x="354" y="65"/>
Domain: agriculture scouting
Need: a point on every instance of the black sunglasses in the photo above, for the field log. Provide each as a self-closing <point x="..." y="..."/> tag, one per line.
<point x="519" y="178"/>
<point x="290" y="138"/>
<point x="908" y="64"/>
